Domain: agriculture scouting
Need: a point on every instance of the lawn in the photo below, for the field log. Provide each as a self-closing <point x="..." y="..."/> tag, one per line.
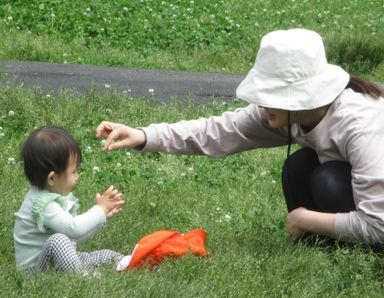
<point x="237" y="200"/>
<point x="211" y="35"/>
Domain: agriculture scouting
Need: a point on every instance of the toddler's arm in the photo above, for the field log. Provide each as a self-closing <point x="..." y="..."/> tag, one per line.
<point x="85" y="225"/>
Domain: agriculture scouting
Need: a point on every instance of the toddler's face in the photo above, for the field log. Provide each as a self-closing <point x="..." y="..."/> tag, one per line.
<point x="66" y="181"/>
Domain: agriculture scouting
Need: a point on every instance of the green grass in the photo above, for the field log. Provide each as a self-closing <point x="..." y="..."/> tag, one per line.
<point x="211" y="35"/>
<point x="237" y="200"/>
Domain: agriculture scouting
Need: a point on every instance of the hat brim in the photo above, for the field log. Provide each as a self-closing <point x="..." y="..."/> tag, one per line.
<point x="305" y="94"/>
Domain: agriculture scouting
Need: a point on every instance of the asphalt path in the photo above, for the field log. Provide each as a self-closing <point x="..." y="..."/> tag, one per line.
<point x="164" y="85"/>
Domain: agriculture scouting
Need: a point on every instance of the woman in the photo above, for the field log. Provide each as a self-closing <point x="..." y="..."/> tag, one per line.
<point x="334" y="186"/>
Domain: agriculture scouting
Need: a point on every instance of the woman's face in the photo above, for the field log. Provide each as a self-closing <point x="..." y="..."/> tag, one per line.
<point x="276" y="118"/>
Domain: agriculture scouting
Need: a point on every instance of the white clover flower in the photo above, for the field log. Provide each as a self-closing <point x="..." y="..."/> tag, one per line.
<point x="48" y="96"/>
<point x="11" y="160"/>
<point x="125" y="8"/>
<point x="88" y="150"/>
<point x="218" y="209"/>
<point x="152" y="204"/>
<point x="212" y="16"/>
<point x="108" y="111"/>
<point x="2" y="134"/>
<point x="88" y="9"/>
<point x="118" y="165"/>
<point x="10" y="18"/>
<point x="102" y="29"/>
<point x="102" y="142"/>
<point x="96" y="169"/>
<point x="273" y="181"/>
<point x="227" y="217"/>
<point x="151" y="90"/>
<point x="263" y="173"/>
<point x="11" y="113"/>
<point x="190" y="169"/>
<point x="53" y="15"/>
<point x="128" y="153"/>
<point x="107" y="86"/>
<point x="129" y="90"/>
<point x="1" y="128"/>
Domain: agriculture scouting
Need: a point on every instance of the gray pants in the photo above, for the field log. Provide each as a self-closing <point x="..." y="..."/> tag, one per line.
<point x="60" y="253"/>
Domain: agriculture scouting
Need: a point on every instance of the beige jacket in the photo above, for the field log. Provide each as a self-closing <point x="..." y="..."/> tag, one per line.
<point x="352" y="130"/>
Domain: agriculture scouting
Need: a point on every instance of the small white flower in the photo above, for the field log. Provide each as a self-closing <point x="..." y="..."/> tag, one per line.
<point x="11" y="113"/>
<point x="227" y="217"/>
<point x="1" y="128"/>
<point x="48" y="96"/>
<point x="96" y="169"/>
<point x="128" y="153"/>
<point x="151" y="90"/>
<point x="10" y="18"/>
<point x="273" y="181"/>
<point x="129" y="90"/>
<point x="108" y="111"/>
<point x="102" y="142"/>
<point x="118" y="165"/>
<point x="53" y="15"/>
<point x="2" y="134"/>
<point x="264" y="173"/>
<point x="218" y="209"/>
<point x="190" y="169"/>
<point x="88" y="9"/>
<point x="107" y="86"/>
<point x="152" y="204"/>
<point x="88" y="150"/>
<point x="11" y="160"/>
<point x="102" y="29"/>
<point x="125" y="8"/>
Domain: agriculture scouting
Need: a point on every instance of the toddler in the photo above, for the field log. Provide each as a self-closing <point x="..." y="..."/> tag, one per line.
<point x="47" y="226"/>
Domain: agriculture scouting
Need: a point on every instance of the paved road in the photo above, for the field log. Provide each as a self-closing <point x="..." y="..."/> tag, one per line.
<point x="166" y="84"/>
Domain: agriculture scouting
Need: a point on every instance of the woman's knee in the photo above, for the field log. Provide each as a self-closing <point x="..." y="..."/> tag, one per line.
<point x="331" y="187"/>
<point x="302" y="158"/>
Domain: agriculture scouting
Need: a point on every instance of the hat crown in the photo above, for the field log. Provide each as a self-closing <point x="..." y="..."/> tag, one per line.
<point x="291" y="55"/>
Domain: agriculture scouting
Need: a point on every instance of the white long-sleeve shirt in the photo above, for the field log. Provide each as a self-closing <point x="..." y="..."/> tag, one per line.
<point x="29" y="238"/>
<point x="351" y="131"/>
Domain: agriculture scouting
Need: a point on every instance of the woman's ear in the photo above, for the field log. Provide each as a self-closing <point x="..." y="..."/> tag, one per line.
<point x="50" y="178"/>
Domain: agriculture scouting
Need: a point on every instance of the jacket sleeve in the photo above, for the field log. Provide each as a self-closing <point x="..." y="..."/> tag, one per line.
<point x="78" y="228"/>
<point x="216" y="136"/>
<point x="365" y="152"/>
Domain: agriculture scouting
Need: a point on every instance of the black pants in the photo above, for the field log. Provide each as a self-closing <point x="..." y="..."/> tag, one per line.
<point x="320" y="187"/>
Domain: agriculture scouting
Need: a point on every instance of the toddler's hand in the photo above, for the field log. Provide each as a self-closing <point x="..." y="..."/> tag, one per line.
<point x="110" y="201"/>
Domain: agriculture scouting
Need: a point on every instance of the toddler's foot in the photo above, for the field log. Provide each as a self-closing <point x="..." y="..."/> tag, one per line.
<point x="123" y="263"/>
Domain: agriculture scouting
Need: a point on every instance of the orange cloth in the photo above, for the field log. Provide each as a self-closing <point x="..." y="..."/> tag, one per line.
<point x="151" y="249"/>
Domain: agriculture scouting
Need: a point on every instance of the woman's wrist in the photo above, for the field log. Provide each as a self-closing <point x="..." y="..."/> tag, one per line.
<point x="317" y="222"/>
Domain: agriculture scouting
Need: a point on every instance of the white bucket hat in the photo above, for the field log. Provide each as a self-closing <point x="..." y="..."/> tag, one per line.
<point x="291" y="73"/>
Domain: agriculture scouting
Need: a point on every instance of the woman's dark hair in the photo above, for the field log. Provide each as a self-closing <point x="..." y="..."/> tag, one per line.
<point x="48" y="149"/>
<point x="360" y="85"/>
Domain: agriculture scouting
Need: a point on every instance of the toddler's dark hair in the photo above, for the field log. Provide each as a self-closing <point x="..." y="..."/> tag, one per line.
<point x="48" y="149"/>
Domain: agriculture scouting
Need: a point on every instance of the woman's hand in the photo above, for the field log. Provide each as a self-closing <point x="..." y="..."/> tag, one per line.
<point x="293" y="221"/>
<point x="302" y="220"/>
<point x="128" y="137"/>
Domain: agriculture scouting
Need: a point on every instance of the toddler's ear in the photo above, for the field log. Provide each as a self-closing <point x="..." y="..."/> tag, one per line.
<point x="50" y="178"/>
